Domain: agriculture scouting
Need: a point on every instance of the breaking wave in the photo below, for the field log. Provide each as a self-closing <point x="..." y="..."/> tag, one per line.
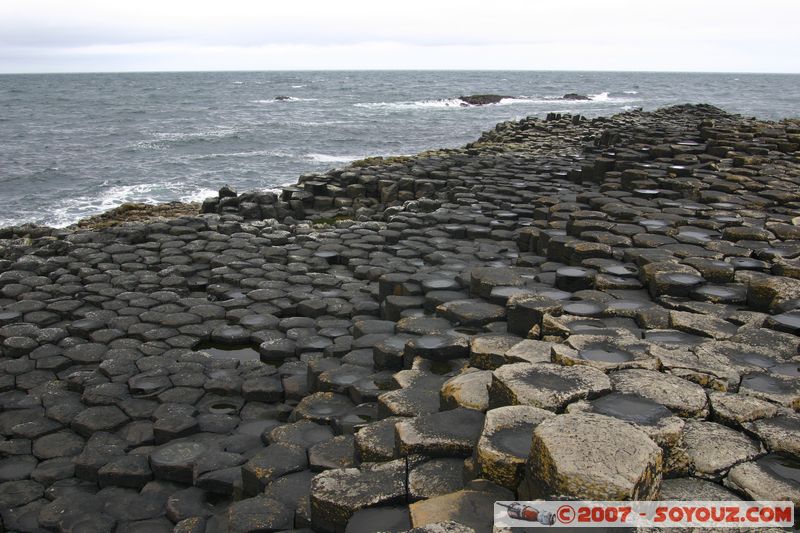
<point x="73" y="209"/>
<point x="164" y="140"/>
<point x="327" y="158"/>
<point x="457" y="103"/>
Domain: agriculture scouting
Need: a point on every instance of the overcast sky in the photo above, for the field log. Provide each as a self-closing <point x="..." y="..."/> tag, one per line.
<point x="146" y="35"/>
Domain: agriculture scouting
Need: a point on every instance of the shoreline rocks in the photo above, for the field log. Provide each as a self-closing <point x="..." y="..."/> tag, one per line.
<point x="564" y="307"/>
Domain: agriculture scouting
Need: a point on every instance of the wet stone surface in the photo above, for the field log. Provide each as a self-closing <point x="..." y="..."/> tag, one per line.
<point x="579" y="454"/>
<point x="505" y="442"/>
<point x="564" y="307"/>
<point x="543" y="385"/>
<point x="240" y="352"/>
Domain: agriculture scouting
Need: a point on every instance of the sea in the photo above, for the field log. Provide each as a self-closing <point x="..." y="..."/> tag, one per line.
<point x="74" y="145"/>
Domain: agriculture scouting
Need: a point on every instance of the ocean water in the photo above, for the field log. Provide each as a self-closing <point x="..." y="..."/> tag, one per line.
<point x="73" y="145"/>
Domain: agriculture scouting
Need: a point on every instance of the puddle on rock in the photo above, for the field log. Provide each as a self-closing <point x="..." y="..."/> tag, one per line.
<point x="721" y="294"/>
<point x="556" y="294"/>
<point x="432" y="342"/>
<point x="752" y="359"/>
<point x="583" y="309"/>
<point x="463" y="331"/>
<point x="787" y="369"/>
<point x="440" y="368"/>
<point x="440" y="284"/>
<point x="142" y="387"/>
<point x="781" y="465"/>
<point x="548" y="381"/>
<point x="586" y="326"/>
<point x="241" y="352"/>
<point x="256" y="427"/>
<point x="625" y="305"/>
<point x="765" y="383"/>
<point x="357" y="418"/>
<point x="573" y="272"/>
<point x="345" y="378"/>
<point x="222" y="408"/>
<point x="667" y="336"/>
<point x="686" y="280"/>
<point x="516" y="440"/>
<point x="786" y="321"/>
<point x="630" y="408"/>
<point x="746" y="263"/>
<point x="605" y="353"/>
<point x="622" y="271"/>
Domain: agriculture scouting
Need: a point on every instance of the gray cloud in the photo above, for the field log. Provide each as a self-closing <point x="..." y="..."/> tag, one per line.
<point x="708" y="35"/>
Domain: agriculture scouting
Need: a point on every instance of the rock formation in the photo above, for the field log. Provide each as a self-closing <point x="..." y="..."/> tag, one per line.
<point x="601" y="308"/>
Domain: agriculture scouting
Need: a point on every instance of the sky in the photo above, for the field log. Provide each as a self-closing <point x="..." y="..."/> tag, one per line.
<point x="174" y="35"/>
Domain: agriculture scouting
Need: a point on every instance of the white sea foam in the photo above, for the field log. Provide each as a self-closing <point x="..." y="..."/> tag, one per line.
<point x="287" y="99"/>
<point x="198" y="196"/>
<point x="163" y="139"/>
<point x="191" y="135"/>
<point x="277" y="189"/>
<point x="318" y="122"/>
<point x="517" y="100"/>
<point x="327" y="158"/>
<point x="297" y="86"/>
<point x="73" y="209"/>
<point x="253" y="153"/>
<point x="454" y="103"/>
<point x="603" y="97"/>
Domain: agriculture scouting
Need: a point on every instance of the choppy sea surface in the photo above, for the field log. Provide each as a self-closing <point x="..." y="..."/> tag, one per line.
<point x="73" y="145"/>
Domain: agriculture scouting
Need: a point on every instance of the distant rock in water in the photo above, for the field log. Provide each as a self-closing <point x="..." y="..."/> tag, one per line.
<point x="283" y="98"/>
<point x="482" y="99"/>
<point x="575" y="96"/>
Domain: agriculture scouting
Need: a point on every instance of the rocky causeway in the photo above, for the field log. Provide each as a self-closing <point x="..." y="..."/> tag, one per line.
<point x="565" y="308"/>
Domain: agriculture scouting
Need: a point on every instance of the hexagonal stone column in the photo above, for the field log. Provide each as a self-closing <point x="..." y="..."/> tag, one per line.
<point x="337" y="494"/>
<point x="713" y="448"/>
<point x="505" y="442"/>
<point x="775" y="476"/>
<point x="471" y="507"/>
<point x="272" y="462"/>
<point x="469" y="389"/>
<point x="176" y="461"/>
<point x="679" y="395"/>
<point x="258" y="514"/>
<point x="446" y="434"/>
<point x="592" y="457"/>
<point x="545" y="385"/>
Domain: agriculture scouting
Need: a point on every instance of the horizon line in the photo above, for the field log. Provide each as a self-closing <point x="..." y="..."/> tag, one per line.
<point x="190" y="71"/>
